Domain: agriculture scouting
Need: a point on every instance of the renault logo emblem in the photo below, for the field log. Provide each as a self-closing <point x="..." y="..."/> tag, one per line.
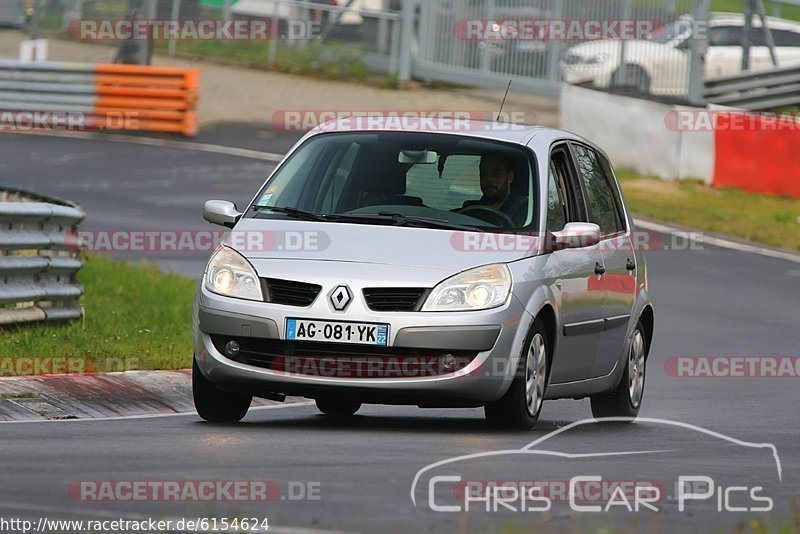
<point x="340" y="298"/>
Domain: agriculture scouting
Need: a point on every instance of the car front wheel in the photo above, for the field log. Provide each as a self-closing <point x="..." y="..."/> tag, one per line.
<point x="626" y="399"/>
<point x="520" y="406"/>
<point x="217" y="406"/>
<point x="338" y="407"/>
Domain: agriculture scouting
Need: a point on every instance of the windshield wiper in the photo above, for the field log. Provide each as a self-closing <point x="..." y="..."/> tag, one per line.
<point x="395" y="219"/>
<point x="400" y="219"/>
<point x="295" y="213"/>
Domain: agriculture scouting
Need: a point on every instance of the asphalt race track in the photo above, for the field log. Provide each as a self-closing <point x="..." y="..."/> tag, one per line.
<point x="359" y="472"/>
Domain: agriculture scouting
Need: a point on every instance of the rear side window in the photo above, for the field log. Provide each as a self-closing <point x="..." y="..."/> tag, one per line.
<point x="556" y="202"/>
<point x="786" y="38"/>
<point x="725" y="36"/>
<point x="602" y="199"/>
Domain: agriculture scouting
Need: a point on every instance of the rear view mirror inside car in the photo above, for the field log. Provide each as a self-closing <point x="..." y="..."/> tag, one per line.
<point x="426" y="157"/>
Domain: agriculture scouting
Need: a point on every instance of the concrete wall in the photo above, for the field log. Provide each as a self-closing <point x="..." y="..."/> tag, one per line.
<point x="638" y="134"/>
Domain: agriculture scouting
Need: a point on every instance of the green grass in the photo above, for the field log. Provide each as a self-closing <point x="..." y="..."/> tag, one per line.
<point x="737" y="6"/>
<point x="330" y="62"/>
<point x="136" y="317"/>
<point x="763" y="218"/>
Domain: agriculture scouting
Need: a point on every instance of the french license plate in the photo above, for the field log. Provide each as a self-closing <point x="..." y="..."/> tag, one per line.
<point x="337" y="332"/>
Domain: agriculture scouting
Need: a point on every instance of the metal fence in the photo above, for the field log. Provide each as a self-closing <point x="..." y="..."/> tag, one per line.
<point x="367" y="31"/>
<point x="433" y="39"/>
<point x="318" y="32"/>
<point x="39" y="259"/>
<point x="488" y="41"/>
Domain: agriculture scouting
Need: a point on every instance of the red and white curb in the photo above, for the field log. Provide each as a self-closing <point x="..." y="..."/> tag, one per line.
<point x="102" y="396"/>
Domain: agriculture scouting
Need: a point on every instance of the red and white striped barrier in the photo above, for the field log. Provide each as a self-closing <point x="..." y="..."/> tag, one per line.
<point x="724" y="147"/>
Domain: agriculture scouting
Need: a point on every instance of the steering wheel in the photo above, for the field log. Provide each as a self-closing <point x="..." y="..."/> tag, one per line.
<point x="492" y="213"/>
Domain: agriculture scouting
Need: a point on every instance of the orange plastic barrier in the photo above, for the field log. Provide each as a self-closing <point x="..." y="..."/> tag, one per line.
<point x="147" y="98"/>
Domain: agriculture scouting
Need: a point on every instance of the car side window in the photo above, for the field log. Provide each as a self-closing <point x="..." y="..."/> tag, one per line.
<point x="556" y="201"/>
<point x="599" y="190"/>
<point x="725" y="36"/>
<point x="757" y="37"/>
<point x="615" y="190"/>
<point x="563" y="171"/>
<point x="786" y="38"/>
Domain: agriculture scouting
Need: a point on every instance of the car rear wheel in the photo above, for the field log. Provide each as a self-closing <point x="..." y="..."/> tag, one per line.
<point x="520" y="406"/>
<point x="626" y="399"/>
<point x="635" y="77"/>
<point x="217" y="406"/>
<point x="338" y="407"/>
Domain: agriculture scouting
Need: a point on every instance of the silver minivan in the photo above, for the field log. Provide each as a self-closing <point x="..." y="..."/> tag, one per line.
<point x="481" y="265"/>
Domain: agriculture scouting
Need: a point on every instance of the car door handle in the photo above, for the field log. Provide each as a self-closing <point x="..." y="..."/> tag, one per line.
<point x="599" y="270"/>
<point x="631" y="266"/>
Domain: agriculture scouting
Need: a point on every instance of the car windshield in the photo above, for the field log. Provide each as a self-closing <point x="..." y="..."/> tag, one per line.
<point x="406" y="179"/>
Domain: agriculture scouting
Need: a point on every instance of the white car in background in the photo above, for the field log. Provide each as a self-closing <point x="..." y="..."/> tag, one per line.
<point x="12" y="13"/>
<point x="661" y="65"/>
<point x="283" y="10"/>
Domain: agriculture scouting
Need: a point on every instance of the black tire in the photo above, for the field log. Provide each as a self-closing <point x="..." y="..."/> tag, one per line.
<point x="217" y="406"/>
<point x="338" y="407"/>
<point x="635" y="77"/>
<point x="625" y="401"/>
<point x="513" y="411"/>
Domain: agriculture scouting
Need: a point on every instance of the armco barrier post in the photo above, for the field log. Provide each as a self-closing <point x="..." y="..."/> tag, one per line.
<point x="39" y="259"/>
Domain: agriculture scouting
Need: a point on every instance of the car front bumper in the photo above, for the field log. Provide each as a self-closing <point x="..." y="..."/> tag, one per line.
<point x="494" y="336"/>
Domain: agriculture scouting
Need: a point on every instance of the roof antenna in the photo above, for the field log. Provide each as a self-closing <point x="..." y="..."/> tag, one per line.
<point x="504" y="100"/>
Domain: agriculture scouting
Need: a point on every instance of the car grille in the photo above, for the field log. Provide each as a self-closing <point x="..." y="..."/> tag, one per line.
<point x="401" y="299"/>
<point x="332" y="360"/>
<point x="291" y="293"/>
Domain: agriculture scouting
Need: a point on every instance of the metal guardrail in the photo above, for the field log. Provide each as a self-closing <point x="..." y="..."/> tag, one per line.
<point x="756" y="91"/>
<point x="111" y="97"/>
<point x="39" y="259"/>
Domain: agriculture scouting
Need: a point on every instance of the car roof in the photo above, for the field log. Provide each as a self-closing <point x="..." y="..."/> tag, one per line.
<point x="519" y="134"/>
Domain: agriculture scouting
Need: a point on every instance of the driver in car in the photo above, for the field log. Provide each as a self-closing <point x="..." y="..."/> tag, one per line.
<point x="496" y="180"/>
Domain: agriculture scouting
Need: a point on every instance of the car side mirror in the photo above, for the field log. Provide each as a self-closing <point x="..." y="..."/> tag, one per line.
<point x="221" y="212"/>
<point x="577" y="235"/>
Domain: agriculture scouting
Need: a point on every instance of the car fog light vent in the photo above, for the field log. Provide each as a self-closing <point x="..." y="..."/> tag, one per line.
<point x="232" y="348"/>
<point x="449" y="363"/>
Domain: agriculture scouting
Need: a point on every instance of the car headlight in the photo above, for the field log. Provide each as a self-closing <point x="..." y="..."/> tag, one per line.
<point x="477" y="289"/>
<point x="230" y="275"/>
<point x="596" y="59"/>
